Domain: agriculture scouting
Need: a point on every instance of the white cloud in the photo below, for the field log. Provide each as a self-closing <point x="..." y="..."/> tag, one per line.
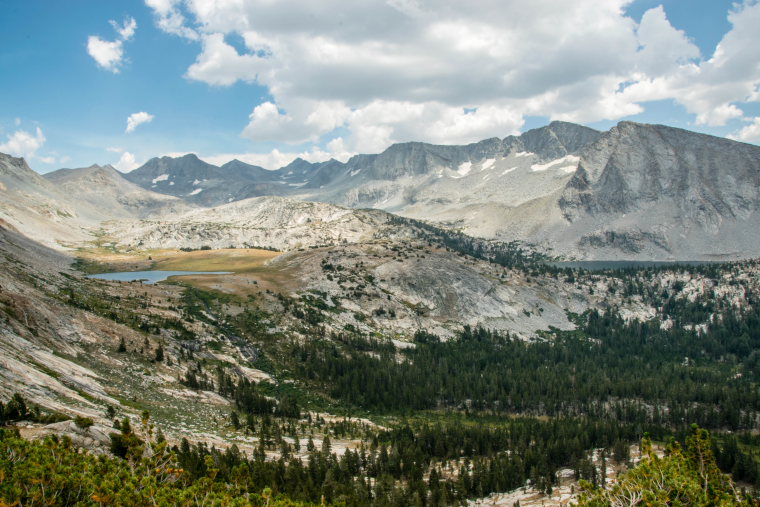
<point x="107" y="54"/>
<point x="750" y="133"/>
<point x="110" y="54"/>
<point x="127" y="30"/>
<point x="126" y="162"/>
<point x="394" y="70"/>
<point x="137" y="119"/>
<point x="268" y="122"/>
<point x="662" y="45"/>
<point x="23" y="144"/>
<point x="220" y="64"/>
<point x="17" y="122"/>
<point x="169" y="18"/>
<point x="714" y="88"/>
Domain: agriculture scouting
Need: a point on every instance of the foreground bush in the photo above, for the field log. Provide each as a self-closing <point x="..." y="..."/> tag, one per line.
<point x="687" y="477"/>
<point x="52" y="472"/>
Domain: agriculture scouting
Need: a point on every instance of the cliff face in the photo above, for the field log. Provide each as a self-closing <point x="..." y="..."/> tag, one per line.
<point x="634" y="166"/>
<point x="646" y="190"/>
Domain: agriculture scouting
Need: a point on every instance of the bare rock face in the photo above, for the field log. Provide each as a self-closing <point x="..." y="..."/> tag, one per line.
<point x="634" y="166"/>
<point x="94" y="439"/>
<point x="34" y="206"/>
<point x="268" y="222"/>
<point x="663" y="192"/>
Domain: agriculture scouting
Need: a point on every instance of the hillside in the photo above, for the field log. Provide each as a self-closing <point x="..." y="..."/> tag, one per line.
<point x="105" y="189"/>
<point x="29" y="203"/>
<point x="258" y="363"/>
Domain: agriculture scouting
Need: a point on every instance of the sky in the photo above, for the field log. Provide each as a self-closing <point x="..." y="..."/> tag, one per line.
<point x="120" y="82"/>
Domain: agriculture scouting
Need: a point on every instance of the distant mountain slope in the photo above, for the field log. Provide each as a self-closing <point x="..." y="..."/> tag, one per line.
<point x="656" y="191"/>
<point x="634" y="192"/>
<point x="37" y="208"/>
<point x="106" y="189"/>
<point x="196" y="181"/>
<point x="401" y="176"/>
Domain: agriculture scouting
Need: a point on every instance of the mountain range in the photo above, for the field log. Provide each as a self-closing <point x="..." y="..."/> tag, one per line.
<point x="634" y="192"/>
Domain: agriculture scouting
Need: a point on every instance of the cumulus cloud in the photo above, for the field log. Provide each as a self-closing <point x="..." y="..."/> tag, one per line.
<point x="306" y="121"/>
<point x="169" y="18"/>
<point x="714" y="88"/>
<point x="23" y="144"/>
<point x="661" y="44"/>
<point x="126" y="162"/>
<point x="109" y="55"/>
<point x="220" y="64"/>
<point x="136" y="119"/>
<point x="397" y="70"/>
<point x="750" y="133"/>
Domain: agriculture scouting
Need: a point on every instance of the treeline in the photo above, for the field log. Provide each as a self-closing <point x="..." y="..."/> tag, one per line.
<point x="53" y="472"/>
<point x="635" y="372"/>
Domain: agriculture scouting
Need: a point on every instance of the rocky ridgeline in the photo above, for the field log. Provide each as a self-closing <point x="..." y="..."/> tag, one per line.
<point x="634" y="192"/>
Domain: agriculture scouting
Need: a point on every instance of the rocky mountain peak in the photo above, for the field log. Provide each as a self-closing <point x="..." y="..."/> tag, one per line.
<point x="558" y="139"/>
<point x="15" y="166"/>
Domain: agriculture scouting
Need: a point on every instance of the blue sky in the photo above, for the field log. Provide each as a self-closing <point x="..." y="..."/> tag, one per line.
<point x="268" y="81"/>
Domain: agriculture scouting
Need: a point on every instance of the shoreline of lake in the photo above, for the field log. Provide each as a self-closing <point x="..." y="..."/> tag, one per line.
<point x="150" y="277"/>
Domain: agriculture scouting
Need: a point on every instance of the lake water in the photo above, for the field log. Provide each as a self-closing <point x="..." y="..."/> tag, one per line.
<point x="150" y="277"/>
<point x="602" y="265"/>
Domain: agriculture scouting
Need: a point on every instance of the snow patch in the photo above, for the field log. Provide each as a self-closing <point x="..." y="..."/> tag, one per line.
<point x="354" y="172"/>
<point x="297" y="184"/>
<point x="487" y="163"/>
<point x="568" y="169"/>
<point x="171" y="183"/>
<point x="196" y="191"/>
<point x="196" y="182"/>
<point x="464" y="168"/>
<point x="162" y="177"/>
<point x="507" y="171"/>
<point x="524" y="154"/>
<point x="569" y="159"/>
